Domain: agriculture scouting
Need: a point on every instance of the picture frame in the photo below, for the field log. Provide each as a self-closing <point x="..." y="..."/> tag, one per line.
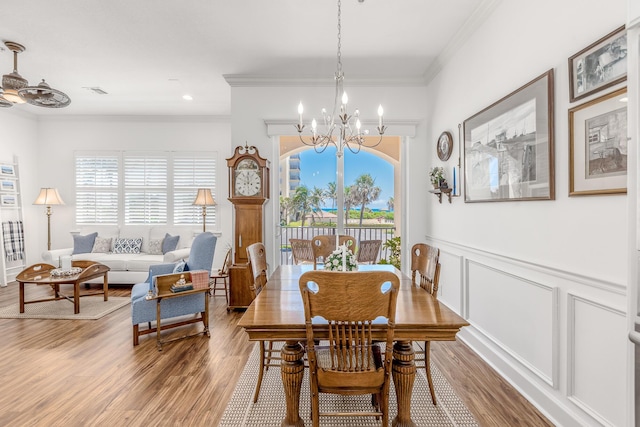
<point x="8" y="185"/>
<point x="7" y="170"/>
<point x="508" y="146"/>
<point x="8" y="200"/>
<point x="599" y="65"/>
<point x="598" y="146"/>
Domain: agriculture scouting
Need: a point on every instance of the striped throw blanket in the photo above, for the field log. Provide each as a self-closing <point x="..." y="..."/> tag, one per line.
<point x="13" y="237"/>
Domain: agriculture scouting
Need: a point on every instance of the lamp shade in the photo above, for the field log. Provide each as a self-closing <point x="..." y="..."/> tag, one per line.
<point x="48" y="197"/>
<point x="204" y="198"/>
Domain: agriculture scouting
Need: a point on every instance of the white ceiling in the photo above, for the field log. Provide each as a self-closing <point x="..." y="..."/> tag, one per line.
<point x="147" y="53"/>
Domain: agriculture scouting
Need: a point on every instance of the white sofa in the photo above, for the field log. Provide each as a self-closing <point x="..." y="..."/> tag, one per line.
<point x="129" y="268"/>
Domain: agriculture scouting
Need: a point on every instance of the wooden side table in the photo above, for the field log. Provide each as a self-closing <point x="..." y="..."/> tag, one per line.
<point x="163" y="288"/>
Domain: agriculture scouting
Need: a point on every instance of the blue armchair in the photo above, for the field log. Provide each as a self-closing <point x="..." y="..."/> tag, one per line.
<point x="144" y="311"/>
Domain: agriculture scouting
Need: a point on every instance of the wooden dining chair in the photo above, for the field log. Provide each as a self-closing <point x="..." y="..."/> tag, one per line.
<point x="368" y="251"/>
<point x="257" y="256"/>
<point x="324" y="244"/>
<point x="425" y="272"/>
<point x="352" y="363"/>
<point x="222" y="274"/>
<point x="302" y="251"/>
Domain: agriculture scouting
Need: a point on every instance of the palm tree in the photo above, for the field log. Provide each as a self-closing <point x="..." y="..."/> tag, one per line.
<point x="331" y="193"/>
<point x="365" y="191"/>
<point x="349" y="201"/>
<point x="300" y="201"/>
<point x="390" y="203"/>
<point x="316" y="198"/>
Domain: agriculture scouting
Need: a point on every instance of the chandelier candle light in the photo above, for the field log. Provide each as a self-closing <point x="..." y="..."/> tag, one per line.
<point x="348" y="127"/>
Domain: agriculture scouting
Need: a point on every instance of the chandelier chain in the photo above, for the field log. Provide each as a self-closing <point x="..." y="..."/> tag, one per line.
<point x="339" y="72"/>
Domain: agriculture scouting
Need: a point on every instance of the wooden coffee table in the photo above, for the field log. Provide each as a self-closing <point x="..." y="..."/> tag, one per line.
<point x="40" y="274"/>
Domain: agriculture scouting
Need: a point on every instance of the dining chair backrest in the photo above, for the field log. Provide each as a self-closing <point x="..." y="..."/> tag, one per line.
<point x="224" y="270"/>
<point x="257" y="256"/>
<point x="302" y="251"/>
<point x="324" y="244"/>
<point x="368" y="251"/>
<point x="425" y="267"/>
<point x="349" y="302"/>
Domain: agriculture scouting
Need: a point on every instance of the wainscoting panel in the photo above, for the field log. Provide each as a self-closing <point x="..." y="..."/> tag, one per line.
<point x="592" y="378"/>
<point x="450" y="288"/>
<point x="517" y="314"/>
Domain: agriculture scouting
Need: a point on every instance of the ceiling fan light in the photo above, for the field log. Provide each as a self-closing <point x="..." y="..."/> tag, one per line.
<point x="44" y="95"/>
<point x="12" y="96"/>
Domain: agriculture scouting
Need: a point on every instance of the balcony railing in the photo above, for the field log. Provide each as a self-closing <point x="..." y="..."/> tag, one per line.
<point x="358" y="233"/>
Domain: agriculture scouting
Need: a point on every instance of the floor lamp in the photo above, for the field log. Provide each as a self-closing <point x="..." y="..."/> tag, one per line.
<point x="48" y="197"/>
<point x="204" y="199"/>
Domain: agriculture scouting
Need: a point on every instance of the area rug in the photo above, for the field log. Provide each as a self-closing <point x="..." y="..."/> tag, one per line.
<point x="91" y="308"/>
<point x="270" y="408"/>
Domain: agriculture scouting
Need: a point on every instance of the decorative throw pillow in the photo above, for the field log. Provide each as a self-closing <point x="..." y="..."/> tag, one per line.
<point x="102" y="245"/>
<point x="127" y="245"/>
<point x="180" y="267"/>
<point x="155" y="247"/>
<point x="83" y="244"/>
<point x="170" y="243"/>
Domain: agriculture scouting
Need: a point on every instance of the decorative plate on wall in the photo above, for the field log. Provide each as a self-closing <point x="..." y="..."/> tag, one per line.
<point x="445" y="146"/>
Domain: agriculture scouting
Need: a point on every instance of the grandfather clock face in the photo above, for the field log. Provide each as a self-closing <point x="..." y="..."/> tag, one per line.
<point x="248" y="179"/>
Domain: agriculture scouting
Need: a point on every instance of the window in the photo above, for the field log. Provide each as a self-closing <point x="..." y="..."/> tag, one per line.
<point x="97" y="189"/>
<point x="142" y="187"/>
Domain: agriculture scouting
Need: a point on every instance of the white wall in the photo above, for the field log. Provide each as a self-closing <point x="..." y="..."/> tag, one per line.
<point x="19" y="137"/>
<point x="60" y="137"/>
<point x="543" y="283"/>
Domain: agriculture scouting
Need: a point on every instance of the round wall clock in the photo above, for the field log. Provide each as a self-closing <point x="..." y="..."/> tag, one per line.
<point x="444" y="146"/>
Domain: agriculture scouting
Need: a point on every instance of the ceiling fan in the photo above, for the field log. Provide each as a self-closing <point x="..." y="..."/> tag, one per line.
<point x="16" y="90"/>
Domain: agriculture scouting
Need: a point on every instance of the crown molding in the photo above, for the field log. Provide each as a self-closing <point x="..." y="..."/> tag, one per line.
<point x="137" y="118"/>
<point x="254" y="80"/>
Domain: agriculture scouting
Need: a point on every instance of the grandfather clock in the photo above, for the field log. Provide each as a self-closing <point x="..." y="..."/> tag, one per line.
<point x="248" y="192"/>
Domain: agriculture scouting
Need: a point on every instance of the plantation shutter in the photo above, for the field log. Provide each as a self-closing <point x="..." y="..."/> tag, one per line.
<point x="145" y="188"/>
<point x="190" y="172"/>
<point x="96" y="188"/>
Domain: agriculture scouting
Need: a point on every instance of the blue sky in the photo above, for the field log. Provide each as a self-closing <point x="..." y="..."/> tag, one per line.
<point x="320" y="169"/>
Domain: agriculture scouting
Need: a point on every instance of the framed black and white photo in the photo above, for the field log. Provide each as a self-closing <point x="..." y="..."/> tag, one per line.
<point x="8" y="185"/>
<point x="508" y="146"/>
<point x="599" y="65"/>
<point x="7" y="170"/>
<point x="8" y="200"/>
<point x="598" y="146"/>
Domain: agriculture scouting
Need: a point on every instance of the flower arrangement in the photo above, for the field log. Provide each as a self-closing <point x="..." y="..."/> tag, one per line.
<point x="342" y="259"/>
<point x="436" y="174"/>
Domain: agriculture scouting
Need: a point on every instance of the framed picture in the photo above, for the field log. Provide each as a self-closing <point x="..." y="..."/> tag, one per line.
<point x="7" y="170"/>
<point x="8" y="200"/>
<point x="7" y="185"/>
<point x="598" y="146"/>
<point x="598" y="66"/>
<point x="508" y="146"/>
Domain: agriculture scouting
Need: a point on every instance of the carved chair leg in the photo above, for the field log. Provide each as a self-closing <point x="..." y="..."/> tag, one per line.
<point x="427" y="365"/>
<point x="260" y="374"/>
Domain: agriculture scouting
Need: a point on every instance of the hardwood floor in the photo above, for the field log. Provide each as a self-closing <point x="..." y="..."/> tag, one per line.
<point x="87" y="373"/>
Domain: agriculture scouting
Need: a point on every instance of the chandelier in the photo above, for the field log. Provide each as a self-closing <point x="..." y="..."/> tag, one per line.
<point x="16" y="90"/>
<point x="348" y="128"/>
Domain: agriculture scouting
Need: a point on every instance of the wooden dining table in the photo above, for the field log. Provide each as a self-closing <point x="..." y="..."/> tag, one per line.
<point x="277" y="314"/>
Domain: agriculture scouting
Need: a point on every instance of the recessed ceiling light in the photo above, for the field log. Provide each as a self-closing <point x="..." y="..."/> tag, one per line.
<point x="187" y="97"/>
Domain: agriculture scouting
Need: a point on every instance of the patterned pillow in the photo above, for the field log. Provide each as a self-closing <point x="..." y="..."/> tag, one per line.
<point x="127" y="245"/>
<point x="102" y="245"/>
<point x="155" y="247"/>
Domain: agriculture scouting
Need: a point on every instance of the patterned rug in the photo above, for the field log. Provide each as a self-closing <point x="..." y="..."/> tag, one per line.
<point x="91" y="308"/>
<point x="270" y="408"/>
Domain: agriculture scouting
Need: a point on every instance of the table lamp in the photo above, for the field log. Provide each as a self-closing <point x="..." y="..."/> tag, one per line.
<point x="48" y="197"/>
<point x="204" y="199"/>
